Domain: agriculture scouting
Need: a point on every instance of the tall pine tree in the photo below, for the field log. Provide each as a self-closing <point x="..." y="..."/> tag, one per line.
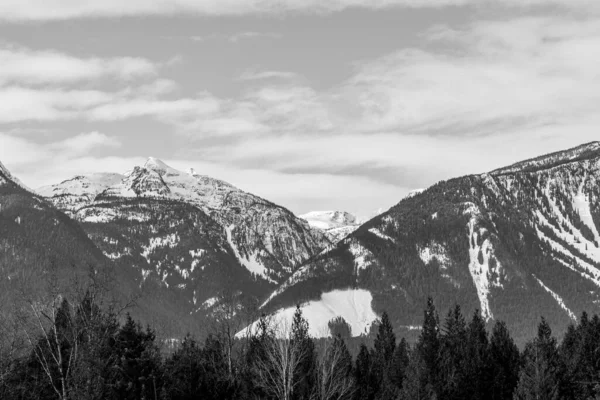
<point x="540" y="376"/>
<point x="504" y="363"/>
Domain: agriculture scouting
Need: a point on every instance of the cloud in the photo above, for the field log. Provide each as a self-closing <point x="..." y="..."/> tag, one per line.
<point x="35" y="10"/>
<point x="24" y="154"/>
<point x="24" y="104"/>
<point x="163" y="109"/>
<point x="22" y="65"/>
<point x="253" y="35"/>
<point x="260" y="75"/>
<point x="84" y="143"/>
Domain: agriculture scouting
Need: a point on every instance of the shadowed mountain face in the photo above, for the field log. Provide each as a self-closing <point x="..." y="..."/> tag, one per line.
<point x="187" y="236"/>
<point x="45" y="253"/>
<point x="40" y="247"/>
<point x="516" y="243"/>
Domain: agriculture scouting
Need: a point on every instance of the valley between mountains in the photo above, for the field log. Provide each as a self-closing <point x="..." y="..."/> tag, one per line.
<point x="515" y="243"/>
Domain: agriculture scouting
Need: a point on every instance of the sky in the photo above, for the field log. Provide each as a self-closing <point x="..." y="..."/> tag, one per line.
<point x="312" y="104"/>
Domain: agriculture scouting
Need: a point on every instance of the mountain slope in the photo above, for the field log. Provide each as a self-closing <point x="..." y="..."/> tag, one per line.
<point x="174" y="287"/>
<point x="40" y="247"/>
<point x="193" y="220"/>
<point x="516" y="243"/>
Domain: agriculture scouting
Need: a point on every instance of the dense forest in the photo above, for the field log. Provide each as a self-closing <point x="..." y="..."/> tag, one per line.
<point x="85" y="351"/>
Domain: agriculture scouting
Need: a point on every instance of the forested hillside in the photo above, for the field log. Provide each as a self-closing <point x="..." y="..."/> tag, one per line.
<point x="516" y="243"/>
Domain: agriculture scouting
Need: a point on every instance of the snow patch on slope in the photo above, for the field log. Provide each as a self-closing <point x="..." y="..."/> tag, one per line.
<point x="169" y="241"/>
<point x="482" y="272"/>
<point x="251" y="263"/>
<point x="571" y="234"/>
<point x="434" y="251"/>
<point x="558" y="299"/>
<point x="592" y="273"/>
<point x="582" y="206"/>
<point x="361" y="256"/>
<point x="382" y="235"/>
<point x="354" y="305"/>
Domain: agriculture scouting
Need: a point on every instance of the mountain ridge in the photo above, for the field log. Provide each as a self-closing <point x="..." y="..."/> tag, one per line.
<point x="157" y="210"/>
<point x="479" y="240"/>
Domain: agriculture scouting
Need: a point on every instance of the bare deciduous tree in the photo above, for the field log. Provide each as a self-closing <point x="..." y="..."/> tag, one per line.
<point x="334" y="366"/>
<point x="280" y="361"/>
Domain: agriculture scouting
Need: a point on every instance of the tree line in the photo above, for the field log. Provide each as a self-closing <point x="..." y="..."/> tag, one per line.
<point x="82" y="351"/>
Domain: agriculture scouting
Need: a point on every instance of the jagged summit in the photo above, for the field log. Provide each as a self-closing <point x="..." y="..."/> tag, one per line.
<point x="159" y="166"/>
<point x="579" y="153"/>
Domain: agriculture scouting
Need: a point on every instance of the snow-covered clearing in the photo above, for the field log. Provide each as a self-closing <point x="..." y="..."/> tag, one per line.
<point x="354" y="305"/>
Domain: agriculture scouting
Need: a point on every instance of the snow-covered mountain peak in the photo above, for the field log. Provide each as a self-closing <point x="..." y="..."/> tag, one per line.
<point x="329" y="219"/>
<point x="268" y="240"/>
<point x="335" y="224"/>
<point x="159" y="166"/>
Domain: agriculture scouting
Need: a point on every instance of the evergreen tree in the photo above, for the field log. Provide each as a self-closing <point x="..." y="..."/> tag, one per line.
<point x="539" y="377"/>
<point x="580" y="354"/>
<point x="399" y="364"/>
<point x="452" y="361"/>
<point x="138" y="363"/>
<point x="428" y="344"/>
<point x="216" y="384"/>
<point x="385" y="342"/>
<point x="477" y="368"/>
<point x="385" y="345"/>
<point x="365" y="385"/>
<point x="183" y="372"/>
<point x="504" y="363"/>
<point x="416" y="384"/>
<point x="339" y="327"/>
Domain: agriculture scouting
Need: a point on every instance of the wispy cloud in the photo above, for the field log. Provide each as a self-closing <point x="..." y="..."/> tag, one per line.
<point x="43" y="67"/>
<point x="253" y="35"/>
<point x="263" y="75"/>
<point x="236" y="37"/>
<point x="19" y="10"/>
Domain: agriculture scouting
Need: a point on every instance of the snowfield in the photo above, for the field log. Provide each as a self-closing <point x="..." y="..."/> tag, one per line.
<point x="354" y="305"/>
